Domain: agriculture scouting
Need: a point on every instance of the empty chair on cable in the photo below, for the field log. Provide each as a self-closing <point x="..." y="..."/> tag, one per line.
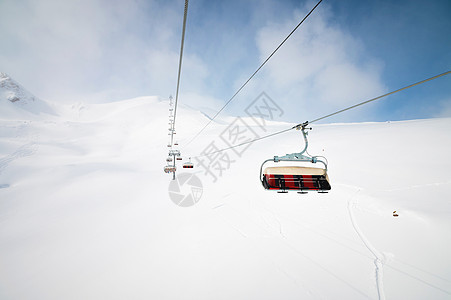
<point x="295" y="176"/>
<point x="169" y="169"/>
<point x="188" y="165"/>
<point x="169" y="159"/>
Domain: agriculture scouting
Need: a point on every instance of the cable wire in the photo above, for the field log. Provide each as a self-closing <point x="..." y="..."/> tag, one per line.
<point x="382" y="96"/>
<point x="249" y="79"/>
<point x="245" y="143"/>
<point x="326" y="116"/>
<point x="180" y="70"/>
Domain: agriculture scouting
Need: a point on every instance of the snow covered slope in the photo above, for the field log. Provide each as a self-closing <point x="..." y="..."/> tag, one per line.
<point x="13" y="96"/>
<point x="85" y="211"/>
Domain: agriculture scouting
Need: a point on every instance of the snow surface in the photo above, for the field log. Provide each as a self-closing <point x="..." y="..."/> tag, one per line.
<point x="85" y="211"/>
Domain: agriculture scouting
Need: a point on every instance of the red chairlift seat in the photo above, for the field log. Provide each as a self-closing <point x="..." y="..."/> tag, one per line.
<point x="188" y="165"/>
<point x="169" y="169"/>
<point x="295" y="178"/>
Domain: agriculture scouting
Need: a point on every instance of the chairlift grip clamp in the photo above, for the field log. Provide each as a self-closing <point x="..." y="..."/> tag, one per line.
<point x="302" y="126"/>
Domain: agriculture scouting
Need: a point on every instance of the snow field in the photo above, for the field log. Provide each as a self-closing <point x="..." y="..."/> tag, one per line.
<point x="85" y="212"/>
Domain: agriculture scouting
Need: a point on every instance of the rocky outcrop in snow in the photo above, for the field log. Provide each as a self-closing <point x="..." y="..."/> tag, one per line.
<point x="14" y="99"/>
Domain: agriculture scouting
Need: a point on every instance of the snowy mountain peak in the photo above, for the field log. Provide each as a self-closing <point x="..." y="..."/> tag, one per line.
<point x="11" y="92"/>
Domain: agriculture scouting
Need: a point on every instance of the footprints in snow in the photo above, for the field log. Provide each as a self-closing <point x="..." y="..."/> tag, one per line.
<point x="20" y="131"/>
<point x="24" y="150"/>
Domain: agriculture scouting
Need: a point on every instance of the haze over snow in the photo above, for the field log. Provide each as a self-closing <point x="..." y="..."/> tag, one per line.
<point x="85" y="211"/>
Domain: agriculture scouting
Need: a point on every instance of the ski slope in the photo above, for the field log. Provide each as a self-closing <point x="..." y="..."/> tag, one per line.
<point x="85" y="211"/>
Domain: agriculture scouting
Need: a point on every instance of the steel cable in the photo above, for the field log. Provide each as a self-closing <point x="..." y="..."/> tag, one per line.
<point x="249" y="79"/>
<point x="327" y="116"/>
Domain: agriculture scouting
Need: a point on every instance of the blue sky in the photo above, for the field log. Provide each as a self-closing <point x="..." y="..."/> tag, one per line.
<point x="346" y="52"/>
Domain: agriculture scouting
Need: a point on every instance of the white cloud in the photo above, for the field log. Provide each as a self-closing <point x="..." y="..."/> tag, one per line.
<point x="445" y="109"/>
<point x="320" y="68"/>
<point x="100" y="50"/>
<point x="70" y="49"/>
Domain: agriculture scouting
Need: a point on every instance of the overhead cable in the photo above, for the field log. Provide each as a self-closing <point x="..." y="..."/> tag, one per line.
<point x="326" y="116"/>
<point x="382" y="96"/>
<point x="180" y="70"/>
<point x="249" y="79"/>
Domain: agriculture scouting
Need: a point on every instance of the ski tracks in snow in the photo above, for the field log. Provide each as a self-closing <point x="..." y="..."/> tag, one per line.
<point x="27" y="149"/>
<point x="379" y="257"/>
<point x="249" y="226"/>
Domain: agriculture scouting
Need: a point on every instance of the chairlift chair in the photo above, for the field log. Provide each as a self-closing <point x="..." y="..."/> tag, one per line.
<point x="169" y="169"/>
<point x="295" y="177"/>
<point x="188" y="165"/>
